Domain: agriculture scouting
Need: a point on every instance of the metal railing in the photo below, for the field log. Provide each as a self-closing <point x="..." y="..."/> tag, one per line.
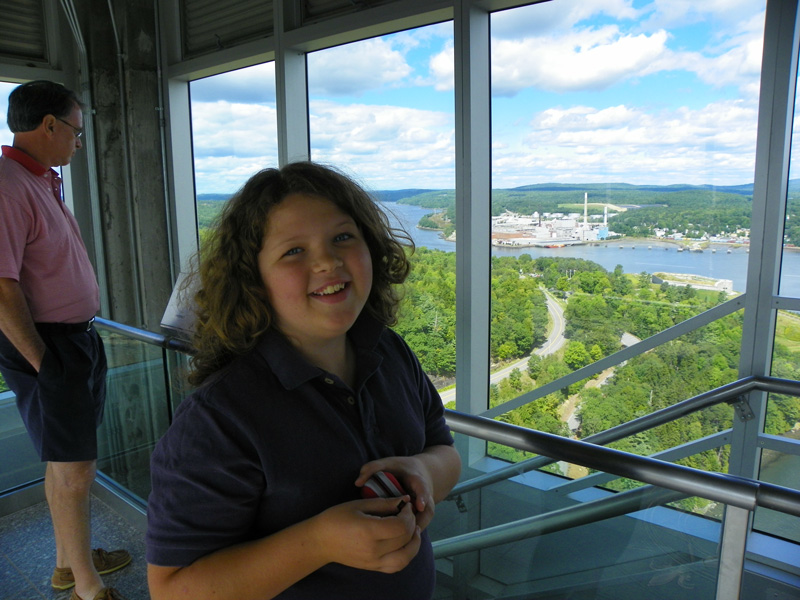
<point x="733" y="393"/>
<point x="669" y="482"/>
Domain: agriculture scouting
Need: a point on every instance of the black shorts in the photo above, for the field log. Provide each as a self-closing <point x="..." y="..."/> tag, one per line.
<point x="62" y="405"/>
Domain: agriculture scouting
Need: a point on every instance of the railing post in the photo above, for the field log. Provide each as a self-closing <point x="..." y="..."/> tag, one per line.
<point x="733" y="544"/>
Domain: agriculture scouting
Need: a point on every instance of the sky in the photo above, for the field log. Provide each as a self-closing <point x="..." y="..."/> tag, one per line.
<point x="583" y="91"/>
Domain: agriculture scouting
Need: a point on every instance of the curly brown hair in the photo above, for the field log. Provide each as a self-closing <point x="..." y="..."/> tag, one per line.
<point x="231" y="304"/>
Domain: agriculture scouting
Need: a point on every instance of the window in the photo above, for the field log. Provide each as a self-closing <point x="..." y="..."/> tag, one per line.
<point x="622" y="175"/>
<point x="234" y="134"/>
<point x="6" y="136"/>
<point x="382" y="110"/>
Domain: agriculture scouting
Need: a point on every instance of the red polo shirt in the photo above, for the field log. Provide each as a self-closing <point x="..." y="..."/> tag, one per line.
<point x="40" y="243"/>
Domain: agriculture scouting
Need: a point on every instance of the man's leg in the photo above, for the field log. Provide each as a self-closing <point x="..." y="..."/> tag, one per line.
<point x="67" y="486"/>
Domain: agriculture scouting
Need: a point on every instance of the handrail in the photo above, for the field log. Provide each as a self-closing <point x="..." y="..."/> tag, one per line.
<point x="727" y="393"/>
<point x="582" y="513"/>
<point x="668" y="481"/>
<point x="142" y="335"/>
<point x="735" y="491"/>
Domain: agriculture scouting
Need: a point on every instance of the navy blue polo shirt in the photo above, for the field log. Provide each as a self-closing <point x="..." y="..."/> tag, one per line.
<point x="272" y="440"/>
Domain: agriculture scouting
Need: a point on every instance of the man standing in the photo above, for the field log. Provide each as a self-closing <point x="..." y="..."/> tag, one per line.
<point x="50" y="354"/>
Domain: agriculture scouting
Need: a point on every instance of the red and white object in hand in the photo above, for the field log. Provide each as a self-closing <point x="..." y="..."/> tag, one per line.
<point x="382" y="485"/>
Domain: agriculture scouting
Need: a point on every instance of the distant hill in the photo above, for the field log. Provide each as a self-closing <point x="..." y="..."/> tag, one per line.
<point x="213" y="197"/>
<point x="382" y="195"/>
<point x="745" y="189"/>
<point x="395" y="195"/>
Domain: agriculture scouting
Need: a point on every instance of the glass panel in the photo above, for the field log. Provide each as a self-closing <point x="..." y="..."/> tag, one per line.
<point x="783" y="412"/>
<point x="783" y="419"/>
<point x="234" y="134"/>
<point x="690" y="365"/>
<point x="136" y="411"/>
<point x="622" y="173"/>
<point x="659" y="552"/>
<point x="782" y="469"/>
<point x="20" y="461"/>
<point x="382" y="110"/>
<point x="790" y="262"/>
<point x="6" y="136"/>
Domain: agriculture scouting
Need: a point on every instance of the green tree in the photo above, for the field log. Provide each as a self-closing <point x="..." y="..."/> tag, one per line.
<point x="576" y="355"/>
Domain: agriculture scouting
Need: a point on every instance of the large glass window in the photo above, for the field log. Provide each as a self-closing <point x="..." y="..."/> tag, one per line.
<point x="382" y="110"/>
<point x="783" y="412"/>
<point x="622" y="172"/>
<point x="5" y="89"/>
<point x="234" y="134"/>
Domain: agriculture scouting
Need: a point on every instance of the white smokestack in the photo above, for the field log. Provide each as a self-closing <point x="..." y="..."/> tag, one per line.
<point x="585" y="208"/>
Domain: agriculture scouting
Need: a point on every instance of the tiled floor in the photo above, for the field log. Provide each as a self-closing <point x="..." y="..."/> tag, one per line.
<point x="27" y="553"/>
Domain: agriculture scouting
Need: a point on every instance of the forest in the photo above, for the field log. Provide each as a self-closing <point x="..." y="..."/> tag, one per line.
<point x="599" y="307"/>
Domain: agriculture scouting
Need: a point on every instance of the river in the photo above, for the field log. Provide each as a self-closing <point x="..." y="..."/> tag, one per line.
<point x="634" y="256"/>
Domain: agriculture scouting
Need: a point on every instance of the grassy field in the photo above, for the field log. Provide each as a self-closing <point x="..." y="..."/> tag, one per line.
<point x="787" y="330"/>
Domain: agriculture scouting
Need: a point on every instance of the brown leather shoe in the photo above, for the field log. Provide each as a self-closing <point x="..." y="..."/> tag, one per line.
<point x="104" y="594"/>
<point x="104" y="562"/>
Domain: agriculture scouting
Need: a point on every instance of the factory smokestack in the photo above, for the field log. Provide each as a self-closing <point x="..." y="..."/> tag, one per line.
<point x="585" y="208"/>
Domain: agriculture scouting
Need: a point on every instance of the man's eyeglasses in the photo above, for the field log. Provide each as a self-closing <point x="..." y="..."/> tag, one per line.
<point x="78" y="132"/>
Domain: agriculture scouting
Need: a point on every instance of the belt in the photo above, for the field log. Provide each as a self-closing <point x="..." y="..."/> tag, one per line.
<point x="65" y="328"/>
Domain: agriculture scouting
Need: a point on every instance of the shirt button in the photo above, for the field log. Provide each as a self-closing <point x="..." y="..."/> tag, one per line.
<point x="351" y="400"/>
<point x="329" y="381"/>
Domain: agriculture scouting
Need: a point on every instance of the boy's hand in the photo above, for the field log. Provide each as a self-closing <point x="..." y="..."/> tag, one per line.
<point x="414" y="478"/>
<point x="369" y="534"/>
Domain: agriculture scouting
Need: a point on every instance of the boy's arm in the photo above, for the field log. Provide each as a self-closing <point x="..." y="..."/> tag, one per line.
<point x="351" y="533"/>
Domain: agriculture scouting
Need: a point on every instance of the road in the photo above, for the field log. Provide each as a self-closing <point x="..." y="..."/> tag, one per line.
<point x="554" y="342"/>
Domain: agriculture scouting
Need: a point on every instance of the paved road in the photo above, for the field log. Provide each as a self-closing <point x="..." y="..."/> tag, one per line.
<point x="554" y="342"/>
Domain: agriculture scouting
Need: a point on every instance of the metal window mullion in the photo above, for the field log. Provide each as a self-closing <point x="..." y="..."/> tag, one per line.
<point x="776" y="107"/>
<point x="473" y="205"/>
<point x="291" y="89"/>
<point x="473" y="250"/>
<point x="773" y="143"/>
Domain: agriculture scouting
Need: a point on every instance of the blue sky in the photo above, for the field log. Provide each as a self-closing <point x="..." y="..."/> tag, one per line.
<point x="643" y="92"/>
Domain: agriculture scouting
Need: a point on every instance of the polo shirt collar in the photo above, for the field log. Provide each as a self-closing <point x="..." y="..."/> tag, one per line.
<point x="26" y="160"/>
<point x="293" y="370"/>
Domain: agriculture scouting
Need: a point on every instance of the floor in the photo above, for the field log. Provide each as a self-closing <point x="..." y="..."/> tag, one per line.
<point x="27" y="553"/>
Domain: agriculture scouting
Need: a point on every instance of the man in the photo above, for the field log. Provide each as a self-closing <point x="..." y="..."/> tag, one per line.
<point x="50" y="354"/>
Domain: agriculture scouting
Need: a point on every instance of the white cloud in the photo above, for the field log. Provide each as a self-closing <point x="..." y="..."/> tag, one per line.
<point x="623" y="143"/>
<point x="584" y="59"/>
<point x="676" y="13"/>
<point x="560" y="15"/>
<point x="231" y="142"/>
<point x="226" y="174"/>
<point x="354" y="68"/>
<point x="228" y="128"/>
<point x="388" y="147"/>
<point x="441" y="67"/>
<point x="250" y="84"/>
<point x="566" y="52"/>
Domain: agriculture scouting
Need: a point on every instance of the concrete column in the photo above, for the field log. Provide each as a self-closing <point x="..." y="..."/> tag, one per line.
<point x="121" y="49"/>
